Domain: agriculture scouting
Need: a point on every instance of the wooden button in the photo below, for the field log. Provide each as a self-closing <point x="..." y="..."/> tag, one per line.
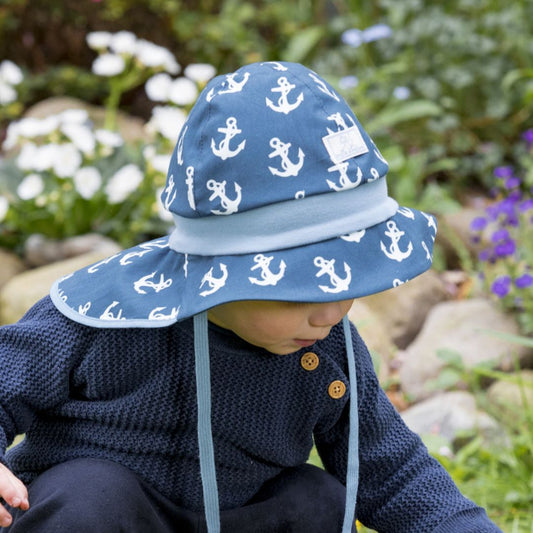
<point x="336" y="389"/>
<point x="309" y="361"/>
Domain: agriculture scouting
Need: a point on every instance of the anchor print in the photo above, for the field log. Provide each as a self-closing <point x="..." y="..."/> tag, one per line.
<point x="431" y="221"/>
<point x="267" y="276"/>
<point x="147" y="282"/>
<point x="277" y="65"/>
<point x="189" y="181"/>
<point x="338" y="284"/>
<point x="233" y="86"/>
<point x="425" y="246"/>
<point x="397" y="282"/>
<point x="219" y="191"/>
<point x="355" y="236"/>
<point x="94" y="268"/>
<point x="322" y="86"/>
<point x="170" y="192"/>
<point x="108" y="315"/>
<point x="393" y="251"/>
<point x="146" y="248"/>
<point x="83" y="309"/>
<point x="223" y="151"/>
<point x="214" y="283"/>
<point x="344" y="180"/>
<point x="179" y="149"/>
<point x="406" y="212"/>
<point x="340" y="122"/>
<point x="283" y="105"/>
<point x="155" y="314"/>
<point x="281" y="149"/>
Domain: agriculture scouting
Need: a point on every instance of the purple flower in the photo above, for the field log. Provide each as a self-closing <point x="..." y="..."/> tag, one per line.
<point x="484" y="255"/>
<point x="501" y="286"/>
<point x="528" y="136"/>
<point x="478" y="224"/>
<point x="523" y="281"/>
<point x="503" y="172"/>
<point x="505" y="248"/>
<point x="376" y="32"/>
<point x="499" y="235"/>
<point x="352" y="37"/>
<point x="526" y="205"/>
<point x="348" y="82"/>
<point x="512" y="182"/>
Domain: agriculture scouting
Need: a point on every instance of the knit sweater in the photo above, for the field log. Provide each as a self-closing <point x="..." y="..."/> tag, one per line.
<point x="128" y="395"/>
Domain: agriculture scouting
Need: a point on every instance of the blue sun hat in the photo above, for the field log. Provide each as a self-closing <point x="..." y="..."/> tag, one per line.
<point x="277" y="193"/>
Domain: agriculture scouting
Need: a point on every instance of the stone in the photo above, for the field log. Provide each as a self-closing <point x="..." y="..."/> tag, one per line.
<point x="25" y="289"/>
<point x="512" y="396"/>
<point x="452" y="415"/>
<point x="10" y="265"/>
<point x="403" y="310"/>
<point x="467" y="328"/>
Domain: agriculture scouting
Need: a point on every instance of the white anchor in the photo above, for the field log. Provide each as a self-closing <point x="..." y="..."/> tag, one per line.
<point x="146" y="247"/>
<point x="223" y="151"/>
<point x="284" y="88"/>
<point x="267" y="276"/>
<point x="82" y="310"/>
<point x="277" y="65"/>
<point x="189" y="181"/>
<point x="328" y="267"/>
<point x="344" y="180"/>
<point x="355" y="236"/>
<point x="108" y="315"/>
<point x="431" y="221"/>
<point x="281" y="149"/>
<point x="322" y="87"/>
<point x="155" y="313"/>
<point x="375" y="175"/>
<point x="214" y="283"/>
<point x="406" y="212"/>
<point x="394" y="252"/>
<point x="94" y="268"/>
<point x="146" y="281"/>
<point x="186" y="265"/>
<point x="397" y="282"/>
<point x="62" y="295"/>
<point x="233" y="86"/>
<point x="219" y="191"/>
<point x="179" y="149"/>
<point x="169" y="197"/>
<point x="379" y="156"/>
<point x="425" y="246"/>
<point x="340" y="122"/>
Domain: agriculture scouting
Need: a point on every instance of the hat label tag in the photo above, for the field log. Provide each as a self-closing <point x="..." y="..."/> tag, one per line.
<point x="345" y="144"/>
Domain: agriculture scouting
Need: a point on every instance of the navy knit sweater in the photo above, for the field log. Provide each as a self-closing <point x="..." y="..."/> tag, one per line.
<point x="128" y="395"/>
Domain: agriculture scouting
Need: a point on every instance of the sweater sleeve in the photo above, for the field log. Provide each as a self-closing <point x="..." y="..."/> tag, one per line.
<point x="401" y="487"/>
<point x="36" y="356"/>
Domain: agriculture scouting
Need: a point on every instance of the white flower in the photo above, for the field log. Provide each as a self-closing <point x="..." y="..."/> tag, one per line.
<point x="108" y="65"/>
<point x="67" y="161"/>
<point x="12" y="136"/>
<point x="87" y="181"/>
<point x="77" y="116"/>
<point x="10" y="73"/>
<point x="157" y="87"/>
<point x="183" y="91"/>
<point x="160" y="162"/>
<point x="45" y="157"/>
<point x="123" y="42"/>
<point x="163" y="213"/>
<point x="167" y="121"/>
<point x="98" y="40"/>
<point x="7" y="93"/>
<point x="4" y="207"/>
<point x="152" y="55"/>
<point x="81" y="136"/>
<point x="30" y="187"/>
<point x="28" y="156"/>
<point x="30" y="127"/>
<point x="122" y="183"/>
<point x="402" y="93"/>
<point x="200" y="72"/>
<point x="109" y="138"/>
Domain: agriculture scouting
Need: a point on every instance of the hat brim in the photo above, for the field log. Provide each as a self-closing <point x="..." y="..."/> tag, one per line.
<point x="150" y="285"/>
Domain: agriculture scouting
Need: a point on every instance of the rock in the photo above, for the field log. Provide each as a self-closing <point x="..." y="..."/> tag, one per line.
<point x="131" y="128"/>
<point x="403" y="309"/>
<point x="375" y="335"/>
<point x="25" y="289"/>
<point x="452" y="415"/>
<point x="11" y="265"/>
<point x="511" y="397"/>
<point x="39" y="250"/>
<point x="464" y="327"/>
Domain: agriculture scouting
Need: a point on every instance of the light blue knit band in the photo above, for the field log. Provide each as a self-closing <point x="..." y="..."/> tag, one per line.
<point x="285" y="224"/>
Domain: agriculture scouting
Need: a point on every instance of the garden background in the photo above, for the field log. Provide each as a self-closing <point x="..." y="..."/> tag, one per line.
<point x="445" y="90"/>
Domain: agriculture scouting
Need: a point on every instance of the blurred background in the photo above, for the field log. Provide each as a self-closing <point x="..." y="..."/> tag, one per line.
<point x="93" y="94"/>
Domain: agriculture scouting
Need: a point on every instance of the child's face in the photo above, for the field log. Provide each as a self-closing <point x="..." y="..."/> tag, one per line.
<point x="279" y="327"/>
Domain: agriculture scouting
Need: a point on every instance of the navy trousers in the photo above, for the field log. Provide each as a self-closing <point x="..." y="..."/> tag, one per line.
<point x="98" y="496"/>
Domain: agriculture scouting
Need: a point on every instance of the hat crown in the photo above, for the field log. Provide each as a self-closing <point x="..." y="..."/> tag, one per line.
<point x="267" y="133"/>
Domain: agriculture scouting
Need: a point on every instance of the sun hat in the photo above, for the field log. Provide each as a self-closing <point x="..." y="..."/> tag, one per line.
<point x="277" y="193"/>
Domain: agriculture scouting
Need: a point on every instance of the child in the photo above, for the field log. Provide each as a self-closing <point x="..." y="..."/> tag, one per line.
<point x="180" y="385"/>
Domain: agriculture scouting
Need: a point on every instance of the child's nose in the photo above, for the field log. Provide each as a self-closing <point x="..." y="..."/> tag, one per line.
<point x="328" y="314"/>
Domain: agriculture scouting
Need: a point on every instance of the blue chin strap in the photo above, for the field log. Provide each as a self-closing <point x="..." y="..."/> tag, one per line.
<point x="205" y="435"/>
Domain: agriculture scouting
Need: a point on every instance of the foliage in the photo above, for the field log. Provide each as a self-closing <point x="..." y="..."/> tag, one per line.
<point x="505" y="262"/>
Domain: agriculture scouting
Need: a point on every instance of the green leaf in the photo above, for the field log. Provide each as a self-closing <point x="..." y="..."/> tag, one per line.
<point x="407" y="111"/>
<point x="301" y="45"/>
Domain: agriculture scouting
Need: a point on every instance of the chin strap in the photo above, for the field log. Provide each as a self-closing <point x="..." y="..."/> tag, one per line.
<point x="352" y="473"/>
<point x="205" y="435"/>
